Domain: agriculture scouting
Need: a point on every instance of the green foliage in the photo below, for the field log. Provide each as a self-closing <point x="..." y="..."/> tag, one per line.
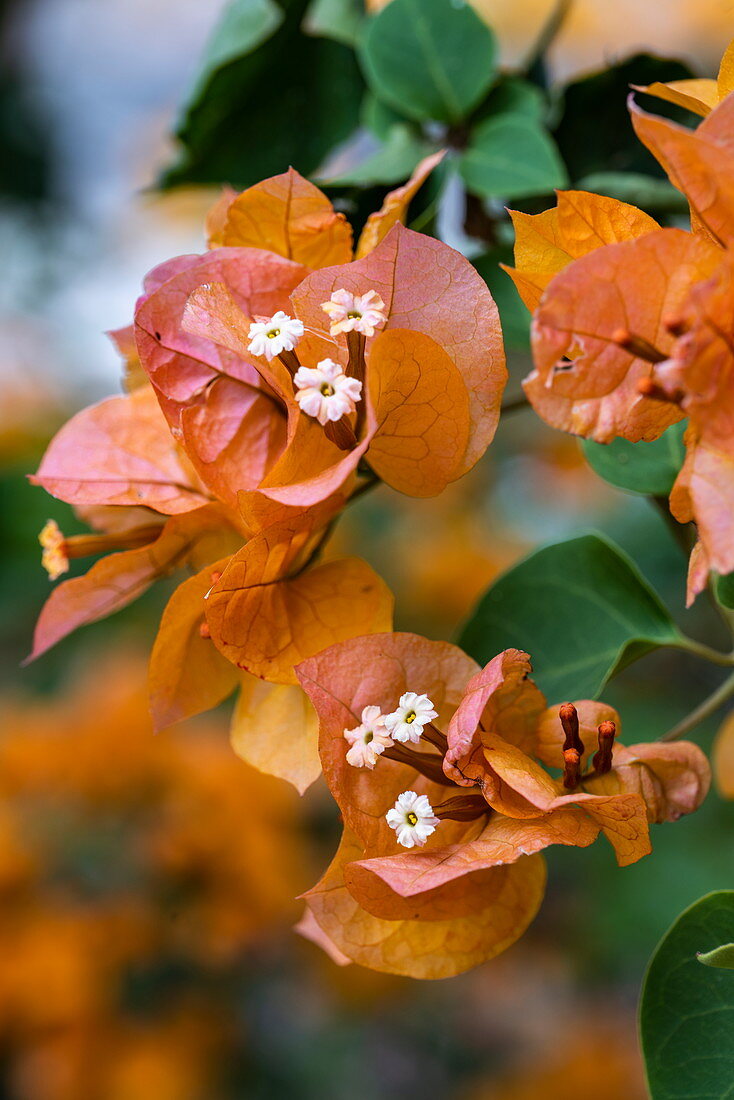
<point x="338" y="19"/>
<point x="580" y="607"/>
<point x="430" y="59"/>
<point x="512" y="156"/>
<point x="687" y="1010"/>
<point x="239" y="123"/>
<point x="648" y="468"/>
<point x="392" y="163"/>
<point x="596" y="105"/>
<point x="725" y="590"/>
<point x="636" y="189"/>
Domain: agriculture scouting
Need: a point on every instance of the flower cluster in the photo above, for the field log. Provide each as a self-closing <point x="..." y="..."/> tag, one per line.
<point x="632" y="322"/>
<point x="470" y="798"/>
<point x="269" y="381"/>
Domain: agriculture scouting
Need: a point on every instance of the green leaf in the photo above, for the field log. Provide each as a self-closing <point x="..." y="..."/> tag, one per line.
<point x="721" y="958"/>
<point x="378" y="117"/>
<point x="596" y="105"/>
<point x="244" y="119"/>
<point x="511" y="157"/>
<point x="429" y="59"/>
<point x="513" y="314"/>
<point x="648" y="468"/>
<point x="725" y="590"/>
<point x="338" y="19"/>
<point x="580" y="608"/>
<point x="513" y="96"/>
<point x="687" y="1010"/>
<point x="632" y="187"/>
<point x="393" y="163"/>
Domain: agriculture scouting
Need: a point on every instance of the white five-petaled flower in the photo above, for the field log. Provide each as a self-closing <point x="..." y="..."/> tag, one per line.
<point x="412" y="818"/>
<point x="270" y="337"/>
<point x="412" y="714"/>
<point x="355" y="312"/>
<point x="325" y="391"/>
<point x="368" y="740"/>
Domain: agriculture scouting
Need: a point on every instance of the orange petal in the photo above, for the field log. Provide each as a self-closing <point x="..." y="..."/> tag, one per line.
<point x="426" y="948"/>
<point x="268" y="612"/>
<point x="422" y="408"/>
<point x="120" y="452"/>
<point x="274" y="728"/>
<point x="395" y="206"/>
<point x="581" y="222"/>
<point x="288" y="215"/>
<point x="193" y="539"/>
<point x="699" y="95"/>
<point x="671" y="779"/>
<point x="583" y="380"/>
<point x="187" y="672"/>
<point x="723" y="758"/>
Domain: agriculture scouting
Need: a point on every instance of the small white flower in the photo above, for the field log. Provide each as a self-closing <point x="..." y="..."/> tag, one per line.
<point x="368" y="740"/>
<point x="412" y="818"/>
<point x="270" y="337"/>
<point x="355" y="312"/>
<point x="325" y="391"/>
<point x="413" y="713"/>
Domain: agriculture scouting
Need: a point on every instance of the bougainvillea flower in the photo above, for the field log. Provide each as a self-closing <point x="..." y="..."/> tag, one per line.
<point x="700" y="377"/>
<point x="433" y="374"/>
<point x="601" y="326"/>
<point x="698" y="95"/>
<point x="477" y="811"/>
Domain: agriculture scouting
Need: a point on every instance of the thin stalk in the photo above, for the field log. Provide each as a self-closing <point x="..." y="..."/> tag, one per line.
<point x="709" y="706"/>
<point x="705" y="652"/>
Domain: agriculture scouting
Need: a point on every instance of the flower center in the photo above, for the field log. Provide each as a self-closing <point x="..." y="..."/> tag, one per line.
<point x="326" y="390"/>
<point x="353" y="315"/>
<point x="410" y="716"/>
<point x="411" y="818"/>
<point x="273" y="333"/>
<point x="369" y="736"/>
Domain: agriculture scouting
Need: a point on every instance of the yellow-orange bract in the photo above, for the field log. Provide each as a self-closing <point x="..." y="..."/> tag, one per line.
<point x="630" y="321"/>
<point x="476" y="883"/>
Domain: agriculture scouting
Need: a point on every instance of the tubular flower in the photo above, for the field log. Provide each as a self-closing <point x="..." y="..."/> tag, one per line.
<point x="53" y="559"/>
<point x="274" y="335"/>
<point x="326" y="392"/>
<point x="629" y="321"/>
<point x="475" y="882"/>
<point x="413" y="713"/>
<point x="361" y="313"/>
<point x="368" y="740"/>
<point x="412" y="818"/>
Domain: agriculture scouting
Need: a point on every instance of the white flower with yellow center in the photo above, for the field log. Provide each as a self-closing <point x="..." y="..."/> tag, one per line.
<point x="54" y="559"/>
<point x="412" y="714"/>
<point x="270" y="338"/>
<point x="325" y="391"/>
<point x="412" y="818"/>
<point x="349" y="312"/>
<point x="368" y="740"/>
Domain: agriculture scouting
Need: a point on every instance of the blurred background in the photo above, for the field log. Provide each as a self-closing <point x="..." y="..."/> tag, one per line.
<point x="148" y="884"/>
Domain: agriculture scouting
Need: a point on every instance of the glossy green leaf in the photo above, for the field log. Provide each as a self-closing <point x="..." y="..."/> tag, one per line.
<point x="725" y="590"/>
<point x="687" y="1010"/>
<point x="721" y="958"/>
<point x="379" y="118"/>
<point x="227" y="135"/>
<point x="338" y="19"/>
<point x="430" y="59"/>
<point x="581" y="610"/>
<point x="511" y="157"/>
<point x="594" y="133"/>
<point x="513" y="96"/>
<point x="392" y="163"/>
<point x="648" y="468"/>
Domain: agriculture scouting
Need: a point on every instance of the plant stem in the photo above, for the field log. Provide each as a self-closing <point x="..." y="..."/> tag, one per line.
<point x="705" y="652"/>
<point x="703" y="710"/>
